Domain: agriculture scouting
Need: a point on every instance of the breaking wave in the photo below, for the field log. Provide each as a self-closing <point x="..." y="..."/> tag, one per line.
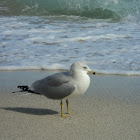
<point x="107" y="9"/>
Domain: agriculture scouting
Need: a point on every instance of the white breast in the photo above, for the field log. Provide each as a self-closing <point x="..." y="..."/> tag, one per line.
<point x="82" y="84"/>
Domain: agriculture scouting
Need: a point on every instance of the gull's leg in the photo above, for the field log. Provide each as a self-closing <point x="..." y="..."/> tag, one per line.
<point x="62" y="115"/>
<point x="67" y="102"/>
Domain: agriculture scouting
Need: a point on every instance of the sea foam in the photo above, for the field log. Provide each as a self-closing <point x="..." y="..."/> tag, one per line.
<point x="56" y="42"/>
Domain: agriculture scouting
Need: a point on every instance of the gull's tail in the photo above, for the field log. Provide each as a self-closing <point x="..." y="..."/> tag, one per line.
<point x="24" y="89"/>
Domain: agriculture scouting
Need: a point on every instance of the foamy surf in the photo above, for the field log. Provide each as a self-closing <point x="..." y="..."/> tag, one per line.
<point x="42" y="38"/>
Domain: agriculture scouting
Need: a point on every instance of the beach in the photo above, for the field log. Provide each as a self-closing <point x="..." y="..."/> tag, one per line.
<point x="109" y="110"/>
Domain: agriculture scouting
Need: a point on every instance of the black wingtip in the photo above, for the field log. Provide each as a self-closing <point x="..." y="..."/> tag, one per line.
<point x="24" y="88"/>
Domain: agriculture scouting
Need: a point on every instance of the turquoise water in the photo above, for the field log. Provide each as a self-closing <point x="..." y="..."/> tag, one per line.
<point x="46" y="34"/>
<point x="115" y="9"/>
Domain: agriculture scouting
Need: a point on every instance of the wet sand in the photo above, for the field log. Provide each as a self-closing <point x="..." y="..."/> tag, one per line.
<point x="109" y="110"/>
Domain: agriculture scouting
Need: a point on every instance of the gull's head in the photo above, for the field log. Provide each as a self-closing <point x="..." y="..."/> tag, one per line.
<point x="79" y="67"/>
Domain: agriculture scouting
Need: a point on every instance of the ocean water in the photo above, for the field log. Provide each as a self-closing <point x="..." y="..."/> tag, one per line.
<point x="52" y="34"/>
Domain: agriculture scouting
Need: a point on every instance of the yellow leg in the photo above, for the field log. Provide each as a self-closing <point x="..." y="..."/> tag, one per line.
<point x="62" y="115"/>
<point x="67" y="106"/>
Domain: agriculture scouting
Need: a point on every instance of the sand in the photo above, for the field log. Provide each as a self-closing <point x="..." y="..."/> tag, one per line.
<point x="109" y="110"/>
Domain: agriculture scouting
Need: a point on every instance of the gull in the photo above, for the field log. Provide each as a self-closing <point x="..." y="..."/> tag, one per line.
<point x="63" y="85"/>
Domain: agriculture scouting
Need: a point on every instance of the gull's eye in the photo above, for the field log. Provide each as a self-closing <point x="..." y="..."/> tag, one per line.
<point x="85" y="68"/>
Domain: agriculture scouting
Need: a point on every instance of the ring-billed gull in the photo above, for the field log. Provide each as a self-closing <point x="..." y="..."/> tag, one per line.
<point x="64" y="85"/>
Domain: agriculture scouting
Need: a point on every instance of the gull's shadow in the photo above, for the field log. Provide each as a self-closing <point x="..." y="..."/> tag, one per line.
<point x="32" y="111"/>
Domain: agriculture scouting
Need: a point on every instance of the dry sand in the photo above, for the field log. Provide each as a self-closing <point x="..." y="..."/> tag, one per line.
<point x="109" y="110"/>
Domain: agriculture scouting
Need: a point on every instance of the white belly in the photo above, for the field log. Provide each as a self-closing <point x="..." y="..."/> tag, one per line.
<point x="82" y="86"/>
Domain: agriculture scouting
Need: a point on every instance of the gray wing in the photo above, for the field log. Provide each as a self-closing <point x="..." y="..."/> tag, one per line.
<point x="57" y="86"/>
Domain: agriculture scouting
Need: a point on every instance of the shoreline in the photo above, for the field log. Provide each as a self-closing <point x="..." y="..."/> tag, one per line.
<point x="62" y="68"/>
<point x="109" y="109"/>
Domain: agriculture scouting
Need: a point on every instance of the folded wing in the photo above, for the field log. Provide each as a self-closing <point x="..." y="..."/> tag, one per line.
<point x="57" y="86"/>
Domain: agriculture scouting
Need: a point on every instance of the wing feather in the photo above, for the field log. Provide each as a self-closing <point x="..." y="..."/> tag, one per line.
<point x="57" y="86"/>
